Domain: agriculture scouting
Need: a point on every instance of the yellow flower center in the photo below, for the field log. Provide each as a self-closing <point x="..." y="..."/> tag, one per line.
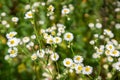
<point x="80" y="68"/>
<point x="67" y="62"/>
<point x="68" y="36"/>
<point x="12" y="52"/>
<point x="78" y="58"/>
<point x="110" y="47"/>
<point x="11" y="35"/>
<point x="29" y="14"/>
<point x="114" y="52"/>
<point x="65" y="11"/>
<point x="12" y="41"/>
<point x="87" y="69"/>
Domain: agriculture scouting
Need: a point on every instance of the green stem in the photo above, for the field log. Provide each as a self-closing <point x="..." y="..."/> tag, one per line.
<point x="72" y="51"/>
<point x="57" y="67"/>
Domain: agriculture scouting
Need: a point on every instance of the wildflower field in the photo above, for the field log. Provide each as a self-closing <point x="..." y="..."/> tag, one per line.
<point x="59" y="39"/>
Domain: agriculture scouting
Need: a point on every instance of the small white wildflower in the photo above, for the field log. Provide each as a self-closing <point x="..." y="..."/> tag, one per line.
<point x="57" y="40"/>
<point x="54" y="56"/>
<point x="13" y="42"/>
<point x="115" y="53"/>
<point x="116" y="66"/>
<point x="68" y="62"/>
<point x="3" y="14"/>
<point x="11" y="35"/>
<point x="33" y="37"/>
<point x="117" y="26"/>
<point x="78" y="59"/>
<point x="91" y="25"/>
<point x="26" y="39"/>
<point x="15" y="19"/>
<point x="7" y="57"/>
<point x="40" y="53"/>
<point x="87" y="70"/>
<point x="98" y="25"/>
<point x="92" y="42"/>
<point x="27" y="7"/>
<point x="110" y="59"/>
<point x="29" y="15"/>
<point x="79" y="68"/>
<point x="65" y="11"/>
<point x="110" y="47"/>
<point x="4" y="22"/>
<point x="68" y="36"/>
<point x="34" y="56"/>
<point x="13" y="51"/>
<point x="51" y="8"/>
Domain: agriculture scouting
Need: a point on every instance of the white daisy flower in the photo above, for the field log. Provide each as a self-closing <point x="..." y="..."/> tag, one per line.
<point x="87" y="70"/>
<point x="107" y="52"/>
<point x="91" y="25"/>
<point x="26" y="39"/>
<point x="61" y="30"/>
<point x="98" y="25"/>
<point x="40" y="53"/>
<point x="73" y="66"/>
<point x="110" y="59"/>
<point x="108" y="33"/>
<point x="110" y="47"/>
<point x="7" y="57"/>
<point x="68" y="62"/>
<point x="11" y="35"/>
<point x="34" y="56"/>
<point x="3" y="14"/>
<point x="79" y="68"/>
<point x="49" y="40"/>
<point x="65" y="11"/>
<point x="78" y="59"/>
<point x="29" y="15"/>
<point x="54" y="56"/>
<point x="96" y="55"/>
<point x="115" y="53"/>
<point x="68" y="36"/>
<point x="4" y="22"/>
<point x="33" y="37"/>
<point x="92" y="42"/>
<point x="100" y="51"/>
<point x="116" y="66"/>
<point x="15" y="19"/>
<point x="13" y="42"/>
<point x="51" y="8"/>
<point x="57" y="40"/>
<point x="13" y="51"/>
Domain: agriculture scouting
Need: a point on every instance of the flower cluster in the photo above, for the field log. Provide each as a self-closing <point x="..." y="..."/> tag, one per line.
<point x="77" y="65"/>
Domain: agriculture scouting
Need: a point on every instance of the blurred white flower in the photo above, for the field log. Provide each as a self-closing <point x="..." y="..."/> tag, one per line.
<point x="87" y="70"/>
<point x="79" y="68"/>
<point x="117" y="26"/>
<point x="57" y="40"/>
<point x="28" y="15"/>
<point x="34" y="56"/>
<point x="98" y="25"/>
<point x="78" y="59"/>
<point x="54" y="56"/>
<point x="40" y="53"/>
<point x="26" y="39"/>
<point x="65" y="11"/>
<point x="68" y="36"/>
<point x="11" y="34"/>
<point x="13" y="51"/>
<point x="15" y="19"/>
<point x="67" y="62"/>
<point x="13" y="42"/>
